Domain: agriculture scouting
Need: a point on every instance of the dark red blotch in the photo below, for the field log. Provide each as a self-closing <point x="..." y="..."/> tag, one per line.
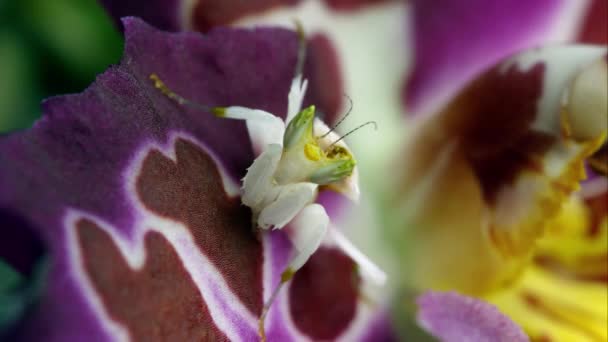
<point x="191" y="191"/>
<point x="324" y="293"/>
<point x="595" y="24"/>
<point x="493" y="120"/>
<point x="158" y="302"/>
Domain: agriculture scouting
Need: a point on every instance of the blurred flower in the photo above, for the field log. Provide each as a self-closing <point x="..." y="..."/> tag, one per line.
<point x="133" y="199"/>
<point x="507" y="159"/>
<point x="508" y="145"/>
<point x="488" y="189"/>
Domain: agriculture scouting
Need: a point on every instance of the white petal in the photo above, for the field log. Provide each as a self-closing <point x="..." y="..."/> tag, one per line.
<point x="295" y="97"/>
<point x="291" y="200"/>
<point x="588" y="101"/>
<point x="264" y="128"/>
<point x="258" y="181"/>
<point x="368" y="269"/>
<point x="306" y="233"/>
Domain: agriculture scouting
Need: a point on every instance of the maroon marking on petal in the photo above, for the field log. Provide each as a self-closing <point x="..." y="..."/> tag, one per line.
<point x="351" y="5"/>
<point x="493" y="119"/>
<point x="191" y="191"/>
<point x="595" y="27"/>
<point x="158" y="302"/>
<point x="500" y="107"/>
<point x="323" y="294"/>
<point x="599" y="161"/>
<point x="502" y="168"/>
<point x="598" y="207"/>
<point x="210" y="13"/>
<point x="326" y="89"/>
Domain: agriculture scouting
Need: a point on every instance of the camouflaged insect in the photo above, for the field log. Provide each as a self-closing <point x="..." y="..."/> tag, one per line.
<point x="295" y="157"/>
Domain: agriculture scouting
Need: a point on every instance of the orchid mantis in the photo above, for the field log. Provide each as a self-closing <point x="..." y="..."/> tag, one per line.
<point x="294" y="158"/>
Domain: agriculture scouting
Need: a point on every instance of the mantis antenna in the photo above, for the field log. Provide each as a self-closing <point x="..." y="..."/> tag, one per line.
<point x="356" y="129"/>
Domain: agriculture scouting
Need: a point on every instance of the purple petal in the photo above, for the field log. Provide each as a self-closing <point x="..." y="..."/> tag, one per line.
<point x="133" y="196"/>
<point x="352" y="5"/>
<point x="206" y="14"/>
<point x="453" y="317"/>
<point x="453" y="41"/>
<point x="203" y="15"/>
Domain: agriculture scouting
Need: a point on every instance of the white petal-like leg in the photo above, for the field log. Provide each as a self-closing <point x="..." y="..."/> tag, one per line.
<point x="368" y="269"/>
<point x="295" y="97"/>
<point x="291" y="200"/>
<point x="306" y="233"/>
<point x="257" y="184"/>
<point x="264" y="128"/>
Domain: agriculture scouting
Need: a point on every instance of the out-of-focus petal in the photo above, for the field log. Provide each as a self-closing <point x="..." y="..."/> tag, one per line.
<point x="454" y="41"/>
<point x="455" y="318"/>
<point x="595" y="27"/>
<point x="163" y="14"/>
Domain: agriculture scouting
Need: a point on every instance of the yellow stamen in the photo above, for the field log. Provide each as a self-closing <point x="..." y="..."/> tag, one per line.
<point x="518" y="240"/>
<point x="568" y="261"/>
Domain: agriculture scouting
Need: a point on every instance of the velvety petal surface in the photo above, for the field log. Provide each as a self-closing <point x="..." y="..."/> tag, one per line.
<point x="453" y="41"/>
<point x="134" y="197"/>
<point x="453" y="317"/>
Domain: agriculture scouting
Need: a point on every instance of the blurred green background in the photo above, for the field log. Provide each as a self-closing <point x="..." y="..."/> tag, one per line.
<point x="50" y="47"/>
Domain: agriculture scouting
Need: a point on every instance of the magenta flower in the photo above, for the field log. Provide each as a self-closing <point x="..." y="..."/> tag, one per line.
<point x="484" y="131"/>
<point x="135" y="199"/>
<point x="489" y="199"/>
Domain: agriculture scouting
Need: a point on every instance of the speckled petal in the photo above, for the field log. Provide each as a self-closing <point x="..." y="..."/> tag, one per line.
<point x="455" y="318"/>
<point x="135" y="197"/>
